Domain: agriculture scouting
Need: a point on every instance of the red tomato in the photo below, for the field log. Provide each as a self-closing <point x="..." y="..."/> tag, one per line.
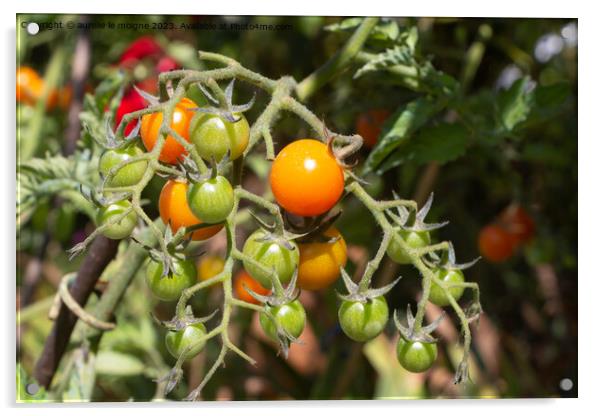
<point x="519" y="223"/>
<point x="369" y="124"/>
<point x="495" y="243"/>
<point x="165" y="64"/>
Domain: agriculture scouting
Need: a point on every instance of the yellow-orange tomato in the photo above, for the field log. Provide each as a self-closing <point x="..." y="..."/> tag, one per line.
<point x="369" y="124"/>
<point x="320" y="263"/>
<point x="174" y="210"/>
<point x="60" y="98"/>
<point x="209" y="266"/>
<point x="29" y="85"/>
<point x="243" y="279"/>
<point x="172" y="151"/>
<point x="306" y="179"/>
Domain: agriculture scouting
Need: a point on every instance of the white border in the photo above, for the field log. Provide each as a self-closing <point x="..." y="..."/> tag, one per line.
<point x="590" y="151"/>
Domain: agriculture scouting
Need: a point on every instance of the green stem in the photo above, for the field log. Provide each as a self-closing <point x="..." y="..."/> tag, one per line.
<point x="338" y="62"/>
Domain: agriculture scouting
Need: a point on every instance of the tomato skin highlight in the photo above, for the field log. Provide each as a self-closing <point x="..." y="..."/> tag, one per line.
<point x="306" y="179"/>
<point x="369" y="125"/>
<point x="174" y="210"/>
<point x="271" y="255"/>
<point x="416" y="356"/>
<point x="214" y="136"/>
<point x="178" y="341"/>
<point x="415" y="239"/>
<point x="211" y="200"/>
<point x="170" y="287"/>
<point x="437" y="295"/>
<point x="291" y="317"/>
<point x="320" y="263"/>
<point x="128" y="175"/>
<point x="363" y="321"/>
<point x="123" y="228"/>
<point x="495" y="243"/>
<point x="243" y="279"/>
<point x="172" y="151"/>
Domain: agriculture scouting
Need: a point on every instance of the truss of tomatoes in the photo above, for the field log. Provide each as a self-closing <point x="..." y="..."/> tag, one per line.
<point x="307" y="180"/>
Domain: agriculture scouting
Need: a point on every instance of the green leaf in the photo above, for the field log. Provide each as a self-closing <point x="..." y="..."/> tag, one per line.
<point x="551" y="96"/>
<point x="118" y="364"/>
<point x="399" y="128"/>
<point x="344" y="25"/>
<point x="82" y="377"/>
<point x="514" y="104"/>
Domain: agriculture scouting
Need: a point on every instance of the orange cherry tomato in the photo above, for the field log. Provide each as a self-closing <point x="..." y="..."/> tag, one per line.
<point x="369" y="125"/>
<point x="29" y="85"/>
<point x="519" y="223"/>
<point x="320" y="263"/>
<point x="306" y="179"/>
<point x="174" y="210"/>
<point x="151" y="123"/>
<point x="496" y="244"/>
<point x="209" y="266"/>
<point x="60" y="98"/>
<point x="243" y="279"/>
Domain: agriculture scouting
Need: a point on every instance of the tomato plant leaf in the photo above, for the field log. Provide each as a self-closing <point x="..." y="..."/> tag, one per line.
<point x="398" y="129"/>
<point x="515" y="103"/>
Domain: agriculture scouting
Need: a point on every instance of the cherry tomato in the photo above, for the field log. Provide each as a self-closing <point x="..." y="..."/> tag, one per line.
<point x="519" y="223"/>
<point x="172" y="151"/>
<point x="170" y="287"/>
<point x="416" y="356"/>
<point x="320" y="263"/>
<point x="143" y="47"/>
<point x="131" y="101"/>
<point x="60" y="98"/>
<point x="273" y="256"/>
<point x="174" y="210"/>
<point x="213" y="136"/>
<point x="437" y="295"/>
<point x="306" y="179"/>
<point x="363" y="321"/>
<point x="243" y="279"/>
<point x="369" y="125"/>
<point x="190" y="337"/>
<point x="495" y="243"/>
<point x="124" y="227"/>
<point x="128" y="175"/>
<point x="29" y="85"/>
<point x="211" y="200"/>
<point x="415" y="239"/>
<point x="209" y="266"/>
<point x="290" y="317"/>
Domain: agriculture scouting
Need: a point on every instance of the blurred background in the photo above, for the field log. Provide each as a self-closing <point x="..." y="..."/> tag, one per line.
<point x="501" y="153"/>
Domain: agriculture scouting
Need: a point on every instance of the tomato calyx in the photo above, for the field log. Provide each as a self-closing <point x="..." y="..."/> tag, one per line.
<point x="357" y="293"/>
<point x="448" y="260"/>
<point x="415" y="221"/>
<point x="412" y="334"/>
<point x="224" y="107"/>
<point x="279" y="295"/>
<point x="178" y="323"/>
<point x="312" y="229"/>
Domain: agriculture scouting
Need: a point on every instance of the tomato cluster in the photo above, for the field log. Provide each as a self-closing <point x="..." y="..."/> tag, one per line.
<point x="499" y="240"/>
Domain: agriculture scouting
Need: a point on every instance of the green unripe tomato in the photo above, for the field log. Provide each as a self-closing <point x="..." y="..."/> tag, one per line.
<point x="363" y="321"/>
<point x="178" y="341"/>
<point x="415" y="239"/>
<point x="211" y="200"/>
<point x="437" y="295"/>
<point x="273" y="256"/>
<point x="213" y="136"/>
<point x="416" y="356"/>
<point x="128" y="175"/>
<point x="124" y="227"/>
<point x="170" y="287"/>
<point x="290" y="316"/>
